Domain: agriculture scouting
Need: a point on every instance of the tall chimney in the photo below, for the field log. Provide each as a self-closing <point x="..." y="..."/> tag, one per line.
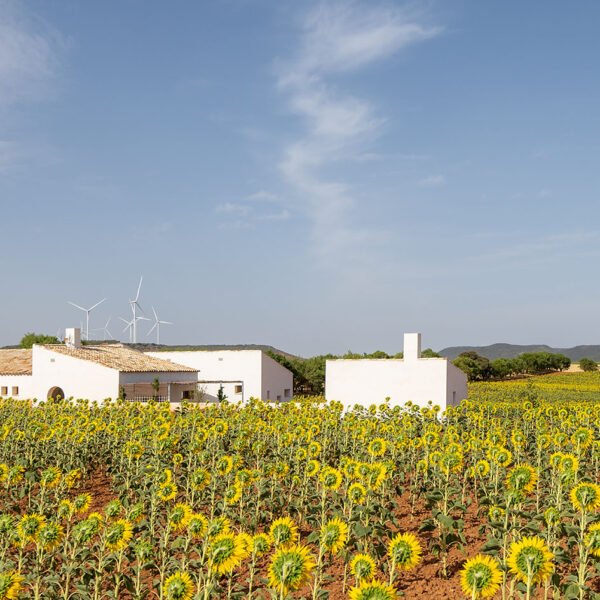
<point x="73" y="337"/>
<point x="412" y="346"/>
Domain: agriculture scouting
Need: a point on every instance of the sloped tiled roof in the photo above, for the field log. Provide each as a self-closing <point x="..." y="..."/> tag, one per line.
<point x="121" y="358"/>
<point x="15" y="362"/>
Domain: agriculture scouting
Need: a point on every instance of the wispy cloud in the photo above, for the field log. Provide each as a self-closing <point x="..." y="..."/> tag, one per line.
<point x="337" y="38"/>
<point x="433" y="181"/>
<point x="29" y="51"/>
<point x="251" y="210"/>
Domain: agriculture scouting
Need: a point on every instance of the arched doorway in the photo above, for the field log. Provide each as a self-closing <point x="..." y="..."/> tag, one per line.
<point x="55" y="393"/>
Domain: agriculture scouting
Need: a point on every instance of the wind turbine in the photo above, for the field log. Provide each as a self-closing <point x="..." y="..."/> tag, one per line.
<point x="134" y="304"/>
<point x="87" y="312"/>
<point x="157" y="324"/>
<point x="105" y="330"/>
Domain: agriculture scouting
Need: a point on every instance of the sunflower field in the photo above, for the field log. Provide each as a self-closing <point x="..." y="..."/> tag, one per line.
<point x="497" y="498"/>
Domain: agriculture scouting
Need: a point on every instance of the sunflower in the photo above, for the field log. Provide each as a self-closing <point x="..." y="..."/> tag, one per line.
<point x="283" y="531"/>
<point x="552" y="516"/>
<point x="530" y="560"/>
<point x="404" y="551"/>
<point x="118" y="535"/>
<point x="522" y="478"/>
<point x="362" y="566"/>
<point x="481" y="577"/>
<point x="224" y="465"/>
<point x="482" y="468"/>
<point x="197" y="525"/>
<point x="200" y="479"/>
<point x="65" y="510"/>
<point x="113" y="509"/>
<point x="50" y="478"/>
<point x="178" y="586"/>
<point x="82" y="503"/>
<point x="582" y="437"/>
<point x="568" y="463"/>
<point x="218" y="526"/>
<point x="501" y="456"/>
<point x="167" y="492"/>
<point x="312" y="467"/>
<point x="180" y="516"/>
<point x="29" y="526"/>
<point x="225" y="553"/>
<point x="377" y="447"/>
<point x="290" y="568"/>
<point x="373" y="590"/>
<point x="49" y="536"/>
<point x="246" y="542"/>
<point x="233" y="494"/>
<point x="330" y="478"/>
<point x="585" y="497"/>
<point x="10" y="585"/>
<point x="334" y="535"/>
<point x="261" y="543"/>
<point x="592" y="539"/>
<point x="357" y="493"/>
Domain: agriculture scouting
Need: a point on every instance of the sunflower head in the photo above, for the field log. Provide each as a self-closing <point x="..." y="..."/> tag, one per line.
<point x="10" y="585"/>
<point x="167" y="492"/>
<point x="113" y="509"/>
<point x="530" y="560"/>
<point x="330" y="478"/>
<point x="290" y="568"/>
<point x="592" y="539"/>
<point x="261" y="543"/>
<point x="312" y="467"/>
<point x="29" y="526"/>
<point x="522" y="478"/>
<point x="233" y="494"/>
<point x="118" y="534"/>
<point x="404" y="550"/>
<point x="179" y="517"/>
<point x="373" y="590"/>
<point x="178" y="586"/>
<point x="334" y="535"/>
<point x="362" y="566"/>
<point x="283" y="531"/>
<point x="197" y="525"/>
<point x="217" y="526"/>
<point x="49" y="536"/>
<point x="585" y="497"/>
<point x="357" y="493"/>
<point x="481" y="577"/>
<point x="377" y="447"/>
<point x="225" y="552"/>
<point x="200" y="479"/>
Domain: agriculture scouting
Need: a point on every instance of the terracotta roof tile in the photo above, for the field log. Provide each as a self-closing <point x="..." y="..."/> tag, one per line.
<point x="121" y="358"/>
<point x="15" y="362"/>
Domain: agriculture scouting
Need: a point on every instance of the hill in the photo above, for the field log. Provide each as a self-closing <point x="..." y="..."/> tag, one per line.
<point x="494" y="351"/>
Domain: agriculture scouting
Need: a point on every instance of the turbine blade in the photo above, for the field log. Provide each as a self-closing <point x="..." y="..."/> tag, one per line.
<point x="76" y="306"/>
<point x="153" y="328"/>
<point x="155" y="315"/>
<point x="97" y="304"/>
<point x="138" y="290"/>
<point x="165" y="323"/>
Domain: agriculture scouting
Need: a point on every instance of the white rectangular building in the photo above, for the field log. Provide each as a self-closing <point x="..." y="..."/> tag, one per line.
<point x="420" y="380"/>
<point x="243" y="374"/>
<point x="93" y="372"/>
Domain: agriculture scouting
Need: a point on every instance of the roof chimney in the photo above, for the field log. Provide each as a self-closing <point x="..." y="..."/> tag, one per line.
<point x="73" y="337"/>
<point x="412" y="346"/>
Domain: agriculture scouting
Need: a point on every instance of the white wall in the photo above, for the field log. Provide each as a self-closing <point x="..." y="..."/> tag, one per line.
<point x="457" y="385"/>
<point x="76" y="377"/>
<point x="277" y="381"/>
<point x="174" y="378"/>
<point x="23" y="382"/>
<point x="370" y="381"/>
<point x="231" y="389"/>
<point x="258" y="373"/>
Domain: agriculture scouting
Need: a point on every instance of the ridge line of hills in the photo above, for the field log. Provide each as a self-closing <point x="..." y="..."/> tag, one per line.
<point x="493" y="351"/>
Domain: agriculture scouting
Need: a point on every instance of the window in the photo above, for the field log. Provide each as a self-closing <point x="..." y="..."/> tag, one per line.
<point x="287" y="393"/>
<point x="268" y="394"/>
<point x="278" y="398"/>
<point x="15" y="390"/>
<point x="238" y="389"/>
<point x="186" y="395"/>
<point x="453" y="397"/>
<point x="4" y="391"/>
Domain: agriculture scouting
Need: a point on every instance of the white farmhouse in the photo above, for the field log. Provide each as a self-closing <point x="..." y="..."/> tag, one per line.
<point x="420" y="380"/>
<point x="243" y="374"/>
<point x="92" y="372"/>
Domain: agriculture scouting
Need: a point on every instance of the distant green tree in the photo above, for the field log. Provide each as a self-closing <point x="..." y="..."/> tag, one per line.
<point x="429" y="353"/>
<point x="587" y="364"/>
<point x="156" y="387"/>
<point x="476" y="367"/>
<point x="29" y="339"/>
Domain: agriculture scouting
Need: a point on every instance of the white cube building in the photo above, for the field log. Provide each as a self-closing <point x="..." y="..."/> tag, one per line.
<point x="420" y="380"/>
<point x="243" y="374"/>
<point x="92" y="372"/>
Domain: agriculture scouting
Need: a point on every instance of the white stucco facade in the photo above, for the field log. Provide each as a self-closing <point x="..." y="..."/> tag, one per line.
<point x="243" y="374"/>
<point x="16" y="386"/>
<point x="420" y="380"/>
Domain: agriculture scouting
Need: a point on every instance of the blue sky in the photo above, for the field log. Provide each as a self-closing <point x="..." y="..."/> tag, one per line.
<point x="320" y="176"/>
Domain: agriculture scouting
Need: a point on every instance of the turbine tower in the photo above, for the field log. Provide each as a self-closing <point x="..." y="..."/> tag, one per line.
<point x="134" y="304"/>
<point x="87" y="312"/>
<point x="105" y="330"/>
<point x="157" y="324"/>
